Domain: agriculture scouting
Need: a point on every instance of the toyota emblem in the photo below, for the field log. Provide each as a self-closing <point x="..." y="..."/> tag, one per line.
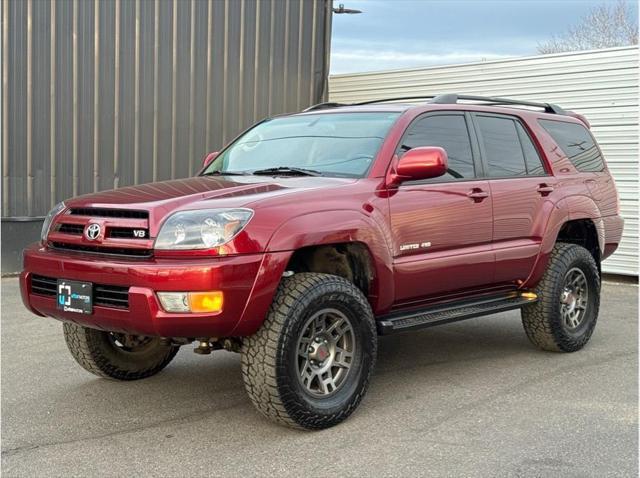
<point x="92" y="232"/>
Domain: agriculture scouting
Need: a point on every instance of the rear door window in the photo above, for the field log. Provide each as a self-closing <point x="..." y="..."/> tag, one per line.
<point x="577" y="143"/>
<point x="502" y="150"/>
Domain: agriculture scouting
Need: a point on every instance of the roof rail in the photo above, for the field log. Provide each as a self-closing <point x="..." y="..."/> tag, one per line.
<point x="322" y="106"/>
<point x="453" y="98"/>
<point x="384" y="100"/>
<point x="448" y="99"/>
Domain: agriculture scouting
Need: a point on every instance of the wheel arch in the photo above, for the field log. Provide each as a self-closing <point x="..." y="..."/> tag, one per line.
<point x="319" y="240"/>
<point x="574" y="219"/>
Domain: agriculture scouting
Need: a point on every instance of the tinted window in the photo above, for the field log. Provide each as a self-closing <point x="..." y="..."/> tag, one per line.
<point x="335" y="144"/>
<point x="576" y="142"/>
<point x="501" y="146"/>
<point x="449" y="132"/>
<point x="531" y="156"/>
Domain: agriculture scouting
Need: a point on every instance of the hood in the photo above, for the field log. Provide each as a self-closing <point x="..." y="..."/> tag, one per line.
<point x="200" y="192"/>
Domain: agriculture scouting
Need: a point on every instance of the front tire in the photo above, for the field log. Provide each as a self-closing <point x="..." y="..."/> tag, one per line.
<point x="565" y="315"/>
<point x="310" y="363"/>
<point x="117" y="356"/>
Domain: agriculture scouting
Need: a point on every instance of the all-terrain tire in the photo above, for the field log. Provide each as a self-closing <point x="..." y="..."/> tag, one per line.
<point x="543" y="321"/>
<point x="97" y="352"/>
<point x="270" y="366"/>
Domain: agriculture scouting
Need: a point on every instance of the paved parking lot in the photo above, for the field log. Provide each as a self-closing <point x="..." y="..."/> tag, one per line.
<point x="466" y="399"/>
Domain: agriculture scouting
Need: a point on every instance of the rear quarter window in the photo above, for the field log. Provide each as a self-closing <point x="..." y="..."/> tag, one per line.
<point x="577" y="143"/>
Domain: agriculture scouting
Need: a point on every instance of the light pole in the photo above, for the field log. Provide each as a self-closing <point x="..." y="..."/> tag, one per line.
<point x="342" y="9"/>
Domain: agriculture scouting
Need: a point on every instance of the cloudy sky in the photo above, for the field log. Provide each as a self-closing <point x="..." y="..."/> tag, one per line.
<point x="410" y="33"/>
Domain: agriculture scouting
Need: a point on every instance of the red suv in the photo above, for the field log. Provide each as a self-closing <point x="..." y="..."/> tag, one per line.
<point x="313" y="233"/>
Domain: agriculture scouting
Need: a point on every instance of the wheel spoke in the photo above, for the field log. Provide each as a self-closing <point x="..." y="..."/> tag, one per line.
<point x="319" y="324"/>
<point x="336" y="325"/>
<point x="307" y="374"/>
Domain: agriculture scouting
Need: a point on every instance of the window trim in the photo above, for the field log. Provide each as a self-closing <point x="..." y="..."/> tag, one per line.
<point x="483" y="153"/>
<point x="478" y="167"/>
<point x="535" y="148"/>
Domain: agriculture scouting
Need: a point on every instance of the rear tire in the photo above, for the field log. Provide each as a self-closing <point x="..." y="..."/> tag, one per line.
<point x="117" y="356"/>
<point x="565" y="315"/>
<point x="309" y="364"/>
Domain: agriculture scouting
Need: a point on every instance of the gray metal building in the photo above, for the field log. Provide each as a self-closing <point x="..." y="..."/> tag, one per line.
<point x="98" y="94"/>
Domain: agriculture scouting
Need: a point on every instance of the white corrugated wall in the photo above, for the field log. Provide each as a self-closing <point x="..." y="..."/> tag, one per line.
<point x="601" y="84"/>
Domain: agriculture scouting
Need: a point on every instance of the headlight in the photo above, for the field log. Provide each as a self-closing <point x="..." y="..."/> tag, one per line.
<point x="202" y="229"/>
<point x="46" y="225"/>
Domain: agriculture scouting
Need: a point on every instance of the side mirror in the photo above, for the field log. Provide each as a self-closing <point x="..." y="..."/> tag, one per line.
<point x="419" y="163"/>
<point x="206" y="161"/>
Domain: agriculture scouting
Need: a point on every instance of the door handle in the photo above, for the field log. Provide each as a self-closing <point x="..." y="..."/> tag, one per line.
<point x="477" y="194"/>
<point x="545" y="189"/>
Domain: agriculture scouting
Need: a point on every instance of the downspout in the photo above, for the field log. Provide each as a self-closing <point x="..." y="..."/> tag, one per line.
<point x="328" y="16"/>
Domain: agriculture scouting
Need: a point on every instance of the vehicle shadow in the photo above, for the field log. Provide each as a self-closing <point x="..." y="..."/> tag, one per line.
<point x="194" y="386"/>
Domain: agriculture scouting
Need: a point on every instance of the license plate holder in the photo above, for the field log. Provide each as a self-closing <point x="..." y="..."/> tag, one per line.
<point x="74" y="296"/>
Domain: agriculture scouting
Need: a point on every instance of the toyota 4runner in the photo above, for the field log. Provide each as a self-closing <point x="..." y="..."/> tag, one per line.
<point x="313" y="233"/>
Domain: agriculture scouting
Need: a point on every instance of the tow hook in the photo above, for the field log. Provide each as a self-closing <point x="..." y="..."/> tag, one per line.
<point x="203" y="348"/>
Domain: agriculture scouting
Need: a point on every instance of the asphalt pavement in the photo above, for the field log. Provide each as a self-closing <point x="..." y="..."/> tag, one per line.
<point x="469" y="399"/>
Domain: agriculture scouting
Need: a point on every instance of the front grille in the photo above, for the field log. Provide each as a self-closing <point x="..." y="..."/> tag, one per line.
<point x="41" y="285"/>
<point x="127" y="233"/>
<point x="111" y="296"/>
<point x="104" y="212"/>
<point x="114" y="251"/>
<point x="103" y="295"/>
<point x="71" y="229"/>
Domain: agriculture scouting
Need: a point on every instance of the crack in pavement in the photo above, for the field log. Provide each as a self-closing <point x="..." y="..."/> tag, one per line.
<point x="197" y="415"/>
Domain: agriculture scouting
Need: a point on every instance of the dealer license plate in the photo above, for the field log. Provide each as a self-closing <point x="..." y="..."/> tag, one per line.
<point x="75" y="296"/>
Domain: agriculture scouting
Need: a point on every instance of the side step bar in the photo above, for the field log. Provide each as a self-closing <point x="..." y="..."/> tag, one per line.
<point x="443" y="314"/>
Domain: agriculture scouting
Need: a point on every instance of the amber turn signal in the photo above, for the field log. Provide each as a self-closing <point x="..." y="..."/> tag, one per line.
<point x="208" y="302"/>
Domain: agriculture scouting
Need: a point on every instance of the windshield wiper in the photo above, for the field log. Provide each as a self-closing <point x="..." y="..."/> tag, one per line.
<point x="287" y="170"/>
<point x="226" y="173"/>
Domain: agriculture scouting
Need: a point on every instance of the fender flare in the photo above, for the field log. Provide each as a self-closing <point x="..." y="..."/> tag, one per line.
<point x="342" y="226"/>
<point x="570" y="208"/>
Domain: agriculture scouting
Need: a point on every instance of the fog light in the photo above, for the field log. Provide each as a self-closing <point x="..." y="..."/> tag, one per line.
<point x="174" y="301"/>
<point x="197" y="302"/>
<point x="206" y="301"/>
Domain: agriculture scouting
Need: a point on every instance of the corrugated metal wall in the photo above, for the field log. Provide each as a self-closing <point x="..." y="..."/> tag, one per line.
<point x="104" y="93"/>
<point x="601" y="84"/>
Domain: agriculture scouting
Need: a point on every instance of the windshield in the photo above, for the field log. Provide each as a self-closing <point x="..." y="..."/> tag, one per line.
<point x="335" y="144"/>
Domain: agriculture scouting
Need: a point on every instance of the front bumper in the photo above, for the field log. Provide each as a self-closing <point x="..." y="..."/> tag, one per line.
<point x="244" y="279"/>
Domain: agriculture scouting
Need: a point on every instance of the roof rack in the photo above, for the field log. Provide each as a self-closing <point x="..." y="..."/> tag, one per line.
<point x="330" y="104"/>
<point x="322" y="106"/>
<point x="448" y="99"/>
<point x="453" y="98"/>
<point x="402" y="98"/>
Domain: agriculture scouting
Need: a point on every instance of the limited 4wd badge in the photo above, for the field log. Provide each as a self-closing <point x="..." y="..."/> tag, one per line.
<point x="415" y="246"/>
<point x="74" y="296"/>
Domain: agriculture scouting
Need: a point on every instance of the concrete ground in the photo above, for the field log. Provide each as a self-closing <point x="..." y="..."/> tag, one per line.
<point x="466" y="399"/>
